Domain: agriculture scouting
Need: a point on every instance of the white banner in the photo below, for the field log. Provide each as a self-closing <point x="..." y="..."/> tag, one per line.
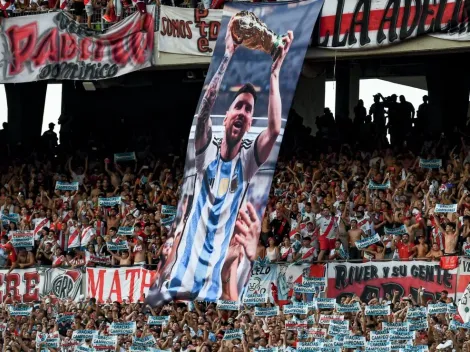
<point x="255" y="298"/>
<point x="158" y="320"/>
<point x="445" y="208"/>
<point x="188" y="31"/>
<point x="118" y="284"/>
<point x="377" y="310"/>
<point x="228" y="305"/>
<point x="356" y="24"/>
<point x="266" y="312"/>
<point x="22" y="239"/>
<point x="233" y="334"/>
<point x="66" y="186"/>
<point x="125" y="328"/>
<point x="19" y="311"/>
<point x="52" y="46"/>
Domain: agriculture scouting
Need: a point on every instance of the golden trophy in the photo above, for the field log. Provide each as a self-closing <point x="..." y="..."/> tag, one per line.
<point x="249" y="31"/>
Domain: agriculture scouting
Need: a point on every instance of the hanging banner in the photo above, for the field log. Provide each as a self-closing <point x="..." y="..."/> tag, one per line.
<point x="359" y="24"/>
<point x="118" y="284"/>
<point x="463" y="281"/>
<point x="263" y="277"/>
<point x="52" y="46"/>
<point x="379" y="278"/>
<point x="29" y="285"/>
<point x="188" y="31"/>
<point x="232" y="150"/>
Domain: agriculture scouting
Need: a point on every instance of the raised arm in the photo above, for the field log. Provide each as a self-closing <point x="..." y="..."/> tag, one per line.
<point x="268" y="137"/>
<point x="204" y="122"/>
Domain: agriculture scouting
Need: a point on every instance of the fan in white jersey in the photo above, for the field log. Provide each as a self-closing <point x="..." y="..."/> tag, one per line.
<point x="328" y="232"/>
<point x="224" y="168"/>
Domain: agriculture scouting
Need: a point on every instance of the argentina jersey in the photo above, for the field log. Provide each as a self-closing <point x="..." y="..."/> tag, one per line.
<point x="220" y="188"/>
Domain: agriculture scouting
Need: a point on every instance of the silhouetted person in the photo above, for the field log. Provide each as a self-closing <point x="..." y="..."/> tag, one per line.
<point x="325" y="123"/>
<point x="66" y="133"/>
<point x="49" y="139"/>
<point x="5" y="139"/>
<point x="377" y="111"/>
<point x="407" y="112"/>
<point x="393" y="118"/>
<point x="359" y="115"/>
<point x="368" y="133"/>
<point x="422" y="114"/>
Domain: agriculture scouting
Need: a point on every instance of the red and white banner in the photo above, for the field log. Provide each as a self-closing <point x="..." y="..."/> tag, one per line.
<point x="119" y="284"/>
<point x="29" y="285"/>
<point x="188" y="31"/>
<point x="53" y="46"/>
<point x="381" y="278"/>
<point x="464" y="276"/>
<point x="366" y="24"/>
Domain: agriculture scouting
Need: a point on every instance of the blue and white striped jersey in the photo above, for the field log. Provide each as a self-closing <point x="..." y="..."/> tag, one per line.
<point x="220" y="189"/>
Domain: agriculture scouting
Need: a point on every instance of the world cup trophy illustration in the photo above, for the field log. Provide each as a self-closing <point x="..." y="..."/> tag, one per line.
<point x="249" y="31"/>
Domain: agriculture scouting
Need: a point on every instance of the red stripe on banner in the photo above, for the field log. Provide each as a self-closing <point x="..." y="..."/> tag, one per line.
<point x="327" y="23"/>
<point x="462" y="283"/>
<point x="316" y="270"/>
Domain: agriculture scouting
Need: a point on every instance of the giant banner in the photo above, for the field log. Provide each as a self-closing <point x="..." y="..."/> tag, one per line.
<point x="377" y="279"/>
<point x="232" y="150"/>
<point x="188" y="31"/>
<point x="54" y="46"/>
<point x="362" y="24"/>
<point x="118" y="284"/>
<point x="29" y="285"/>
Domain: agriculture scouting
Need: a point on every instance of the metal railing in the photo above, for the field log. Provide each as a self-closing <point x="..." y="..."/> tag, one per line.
<point x="97" y="21"/>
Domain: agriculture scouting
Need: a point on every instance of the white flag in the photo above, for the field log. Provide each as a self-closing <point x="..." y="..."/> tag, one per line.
<point x="464" y="305"/>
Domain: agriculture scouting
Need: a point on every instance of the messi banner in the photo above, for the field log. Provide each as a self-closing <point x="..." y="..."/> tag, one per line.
<point x="232" y="150"/>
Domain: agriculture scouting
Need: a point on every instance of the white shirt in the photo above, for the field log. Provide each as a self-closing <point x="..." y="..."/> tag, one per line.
<point x="220" y="188"/>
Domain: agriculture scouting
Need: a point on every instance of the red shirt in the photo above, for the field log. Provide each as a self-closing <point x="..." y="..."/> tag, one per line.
<point x="404" y="250"/>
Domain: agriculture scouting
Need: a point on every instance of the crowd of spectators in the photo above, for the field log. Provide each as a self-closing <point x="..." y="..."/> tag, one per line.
<point x="311" y="189"/>
<point x="201" y="326"/>
<point x="320" y="199"/>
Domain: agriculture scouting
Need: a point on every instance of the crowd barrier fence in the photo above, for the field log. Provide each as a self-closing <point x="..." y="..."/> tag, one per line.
<point x="97" y="22"/>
